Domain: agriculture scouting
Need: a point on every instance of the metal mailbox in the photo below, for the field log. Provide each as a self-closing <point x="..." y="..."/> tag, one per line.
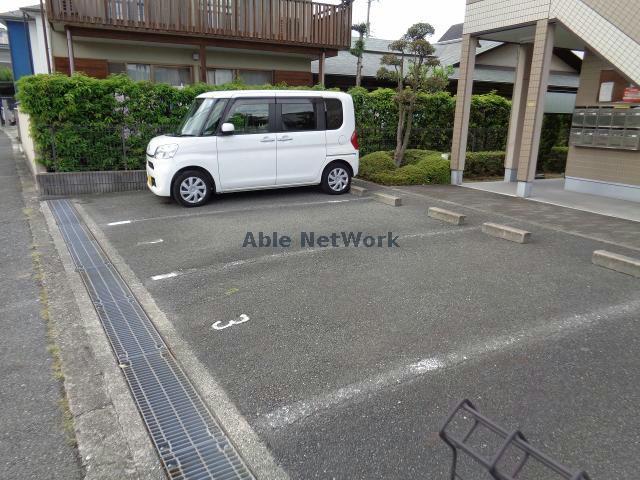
<point x="632" y="139"/>
<point x="605" y="117"/>
<point x="606" y="127"/>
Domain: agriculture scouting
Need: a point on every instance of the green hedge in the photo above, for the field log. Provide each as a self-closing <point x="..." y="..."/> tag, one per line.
<point x="421" y="167"/>
<point x="556" y="160"/>
<point x="484" y="164"/>
<point x="376" y="117"/>
<point x="83" y="123"/>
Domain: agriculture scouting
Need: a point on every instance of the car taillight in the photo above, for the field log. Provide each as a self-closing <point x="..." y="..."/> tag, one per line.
<point x="354" y="141"/>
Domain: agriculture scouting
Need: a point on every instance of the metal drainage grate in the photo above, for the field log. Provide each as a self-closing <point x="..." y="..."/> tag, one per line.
<point x="189" y="441"/>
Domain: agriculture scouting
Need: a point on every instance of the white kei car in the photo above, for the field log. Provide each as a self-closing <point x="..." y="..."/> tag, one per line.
<point x="248" y="140"/>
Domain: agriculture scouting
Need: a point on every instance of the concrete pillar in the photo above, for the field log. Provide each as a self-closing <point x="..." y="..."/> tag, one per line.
<point x="534" y="109"/>
<point x="519" y="101"/>
<point x="203" y="64"/>
<point x="321" y="67"/>
<point x="463" y="108"/>
<point x="72" y="63"/>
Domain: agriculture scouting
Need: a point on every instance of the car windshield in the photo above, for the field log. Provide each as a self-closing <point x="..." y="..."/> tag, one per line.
<point x="198" y="115"/>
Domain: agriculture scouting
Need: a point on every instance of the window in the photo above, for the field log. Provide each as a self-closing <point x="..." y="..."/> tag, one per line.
<point x="334" y="113"/>
<point x="211" y="127"/>
<point x="139" y="71"/>
<point x="116" y="68"/>
<point x="255" y="77"/>
<point x="195" y="118"/>
<point x="299" y="116"/>
<point x="220" y="76"/>
<point x="176" y="76"/>
<point x="249" y="117"/>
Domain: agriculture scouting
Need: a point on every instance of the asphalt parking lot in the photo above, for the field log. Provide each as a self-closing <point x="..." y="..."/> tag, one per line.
<point x="351" y="357"/>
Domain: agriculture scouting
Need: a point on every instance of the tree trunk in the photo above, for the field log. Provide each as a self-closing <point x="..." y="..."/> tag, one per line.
<point x="407" y="134"/>
<point x="399" y="152"/>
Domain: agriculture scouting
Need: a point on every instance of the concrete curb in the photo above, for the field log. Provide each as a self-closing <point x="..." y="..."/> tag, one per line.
<point x="246" y="440"/>
<point x="388" y="199"/>
<point x="77" y="183"/>
<point x="358" y="191"/>
<point x="446" y="215"/>
<point x="619" y="263"/>
<point x="506" y="232"/>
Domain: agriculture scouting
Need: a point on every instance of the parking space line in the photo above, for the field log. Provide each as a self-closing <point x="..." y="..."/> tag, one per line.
<point x="240" y="263"/>
<point x="240" y="210"/>
<point x="150" y="242"/>
<point x="166" y="275"/>
<point x="298" y="411"/>
<point x="439" y="232"/>
<point x="291" y="254"/>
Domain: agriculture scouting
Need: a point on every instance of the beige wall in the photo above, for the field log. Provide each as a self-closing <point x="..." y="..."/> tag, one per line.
<point x="507" y="56"/>
<point x="622" y="13"/>
<point x="616" y="166"/>
<point x="116" y="51"/>
<point x="483" y="15"/>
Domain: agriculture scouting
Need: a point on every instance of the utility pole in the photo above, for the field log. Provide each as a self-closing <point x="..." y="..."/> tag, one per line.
<point x="369" y="2"/>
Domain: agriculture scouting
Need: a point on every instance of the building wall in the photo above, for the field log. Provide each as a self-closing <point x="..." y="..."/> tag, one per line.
<point x="622" y="13"/>
<point x="482" y="15"/>
<point x="36" y="37"/>
<point x="507" y="55"/>
<point x="175" y="55"/>
<point x="613" y="166"/>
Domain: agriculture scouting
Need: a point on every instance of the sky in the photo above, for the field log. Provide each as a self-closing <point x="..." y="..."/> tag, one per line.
<point x="389" y="18"/>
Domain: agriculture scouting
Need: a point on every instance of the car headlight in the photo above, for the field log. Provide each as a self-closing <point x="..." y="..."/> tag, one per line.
<point x="164" y="152"/>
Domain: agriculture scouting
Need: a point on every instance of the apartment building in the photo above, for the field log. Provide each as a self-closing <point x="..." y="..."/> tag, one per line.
<point x="604" y="154"/>
<point x="184" y="41"/>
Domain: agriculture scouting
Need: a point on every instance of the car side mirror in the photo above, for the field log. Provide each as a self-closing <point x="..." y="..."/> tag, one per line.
<point x="228" y="128"/>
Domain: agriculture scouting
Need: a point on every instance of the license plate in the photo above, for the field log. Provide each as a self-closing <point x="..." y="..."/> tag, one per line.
<point x="149" y="180"/>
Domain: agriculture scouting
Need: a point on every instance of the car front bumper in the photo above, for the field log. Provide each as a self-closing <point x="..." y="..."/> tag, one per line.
<point x="159" y="175"/>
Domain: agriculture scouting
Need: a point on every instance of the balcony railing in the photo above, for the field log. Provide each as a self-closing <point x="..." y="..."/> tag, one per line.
<point x="300" y="22"/>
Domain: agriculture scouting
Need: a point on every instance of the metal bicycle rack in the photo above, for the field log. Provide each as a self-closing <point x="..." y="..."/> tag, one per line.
<point x="510" y="440"/>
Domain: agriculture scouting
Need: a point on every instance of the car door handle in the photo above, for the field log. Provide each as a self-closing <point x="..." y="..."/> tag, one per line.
<point x="267" y="140"/>
<point x="285" y="139"/>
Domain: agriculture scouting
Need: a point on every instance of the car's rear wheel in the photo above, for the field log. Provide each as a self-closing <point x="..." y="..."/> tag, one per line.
<point x="192" y="188"/>
<point x="336" y="179"/>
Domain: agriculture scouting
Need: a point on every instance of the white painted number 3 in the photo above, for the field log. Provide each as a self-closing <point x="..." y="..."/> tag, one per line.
<point x="218" y="325"/>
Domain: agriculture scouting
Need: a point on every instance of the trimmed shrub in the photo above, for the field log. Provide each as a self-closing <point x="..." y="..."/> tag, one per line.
<point x="424" y="167"/>
<point x="414" y="155"/>
<point x="484" y="164"/>
<point x="556" y="160"/>
<point x="375" y="163"/>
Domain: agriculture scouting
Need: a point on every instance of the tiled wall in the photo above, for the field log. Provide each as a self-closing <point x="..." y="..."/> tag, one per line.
<point x="594" y="163"/>
<point x="614" y="166"/>
<point x="625" y="14"/>
<point x="484" y="15"/>
<point x="612" y="27"/>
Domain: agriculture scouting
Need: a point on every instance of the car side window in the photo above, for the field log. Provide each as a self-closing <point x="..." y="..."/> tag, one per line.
<point x="299" y="116"/>
<point x="335" y="119"/>
<point x="249" y="117"/>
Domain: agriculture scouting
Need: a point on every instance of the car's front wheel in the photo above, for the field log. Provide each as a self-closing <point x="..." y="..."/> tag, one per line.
<point x="336" y="179"/>
<point x="192" y="188"/>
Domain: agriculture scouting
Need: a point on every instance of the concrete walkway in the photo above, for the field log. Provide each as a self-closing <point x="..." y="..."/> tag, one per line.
<point x="33" y="442"/>
<point x="552" y="191"/>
